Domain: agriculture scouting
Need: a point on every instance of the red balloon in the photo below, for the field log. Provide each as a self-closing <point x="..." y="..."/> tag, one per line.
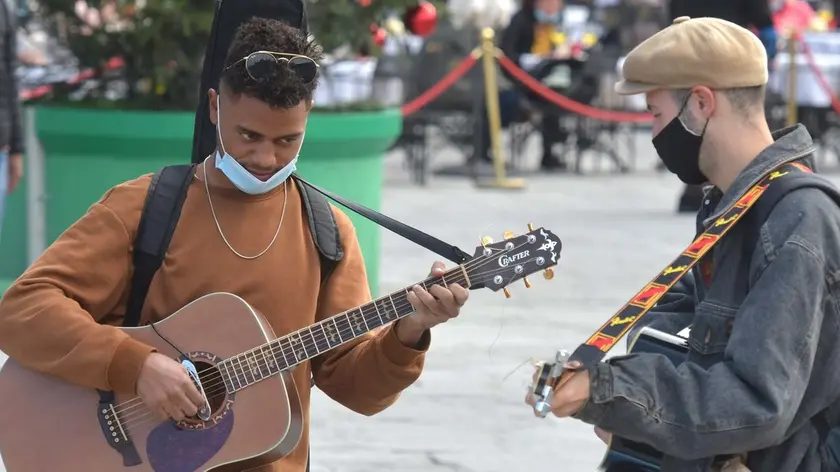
<point x="422" y="19"/>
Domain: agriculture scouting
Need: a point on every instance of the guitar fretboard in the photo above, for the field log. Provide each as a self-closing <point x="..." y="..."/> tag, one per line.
<point x="248" y="368"/>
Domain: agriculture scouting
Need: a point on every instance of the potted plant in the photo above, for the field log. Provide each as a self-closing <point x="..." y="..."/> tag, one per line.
<point x="350" y="129"/>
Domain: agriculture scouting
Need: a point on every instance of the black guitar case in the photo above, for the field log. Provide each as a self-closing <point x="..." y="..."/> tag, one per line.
<point x="229" y="15"/>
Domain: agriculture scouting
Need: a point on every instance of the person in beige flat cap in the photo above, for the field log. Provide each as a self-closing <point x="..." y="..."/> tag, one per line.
<point x="757" y="388"/>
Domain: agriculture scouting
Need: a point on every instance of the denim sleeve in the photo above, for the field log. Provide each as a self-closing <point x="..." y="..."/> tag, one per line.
<point x="673" y="312"/>
<point x="766" y="366"/>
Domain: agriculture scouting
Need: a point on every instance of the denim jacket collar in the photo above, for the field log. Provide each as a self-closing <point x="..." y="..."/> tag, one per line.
<point x="790" y="144"/>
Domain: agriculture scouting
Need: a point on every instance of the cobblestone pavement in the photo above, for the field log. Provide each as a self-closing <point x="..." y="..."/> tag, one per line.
<point x="464" y="414"/>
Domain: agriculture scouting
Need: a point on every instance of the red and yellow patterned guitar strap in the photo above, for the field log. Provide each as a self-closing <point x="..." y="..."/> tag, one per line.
<point x="596" y="347"/>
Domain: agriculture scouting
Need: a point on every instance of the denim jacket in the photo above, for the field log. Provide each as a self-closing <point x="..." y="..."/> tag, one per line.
<point x="764" y="352"/>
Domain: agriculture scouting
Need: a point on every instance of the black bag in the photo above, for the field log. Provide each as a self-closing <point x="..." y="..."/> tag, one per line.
<point x="229" y="15"/>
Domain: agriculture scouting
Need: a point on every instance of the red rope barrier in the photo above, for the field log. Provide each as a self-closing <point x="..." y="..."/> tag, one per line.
<point x="434" y="92"/>
<point x="812" y="64"/>
<point x="567" y="103"/>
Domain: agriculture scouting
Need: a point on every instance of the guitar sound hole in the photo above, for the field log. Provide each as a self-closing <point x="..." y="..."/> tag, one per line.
<point x="214" y="385"/>
<point x="219" y="399"/>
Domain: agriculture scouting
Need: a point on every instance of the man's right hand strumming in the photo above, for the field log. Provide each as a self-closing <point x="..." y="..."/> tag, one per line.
<point x="167" y="389"/>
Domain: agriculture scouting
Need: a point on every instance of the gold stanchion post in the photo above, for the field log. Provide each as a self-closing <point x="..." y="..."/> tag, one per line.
<point x="792" y="117"/>
<point x="491" y="90"/>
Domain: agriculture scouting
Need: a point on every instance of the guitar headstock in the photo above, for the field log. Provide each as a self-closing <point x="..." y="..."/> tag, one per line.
<point x="548" y="377"/>
<point x="497" y="265"/>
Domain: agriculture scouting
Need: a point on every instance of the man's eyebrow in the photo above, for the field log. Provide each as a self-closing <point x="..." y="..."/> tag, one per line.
<point x="243" y="129"/>
<point x="257" y="134"/>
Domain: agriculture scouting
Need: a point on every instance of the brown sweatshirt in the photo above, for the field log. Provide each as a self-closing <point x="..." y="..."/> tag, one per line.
<point x="59" y="317"/>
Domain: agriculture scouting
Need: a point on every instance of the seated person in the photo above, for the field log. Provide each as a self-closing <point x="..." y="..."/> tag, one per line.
<point x="533" y="33"/>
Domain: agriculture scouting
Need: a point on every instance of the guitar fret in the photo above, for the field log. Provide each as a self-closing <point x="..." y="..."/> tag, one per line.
<point x="297" y="348"/>
<point x="381" y="321"/>
<point x="314" y="341"/>
<point x="356" y="318"/>
<point x="342" y="323"/>
<point x="240" y="372"/>
<point x="389" y="314"/>
<point x="303" y="346"/>
<point x="321" y="344"/>
<point x="253" y="367"/>
<point x="396" y="312"/>
<point x="226" y="371"/>
<point x="279" y="345"/>
<point x="331" y="332"/>
<point x="269" y="362"/>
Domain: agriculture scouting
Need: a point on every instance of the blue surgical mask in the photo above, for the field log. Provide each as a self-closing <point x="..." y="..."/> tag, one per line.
<point x="543" y="17"/>
<point x="240" y="177"/>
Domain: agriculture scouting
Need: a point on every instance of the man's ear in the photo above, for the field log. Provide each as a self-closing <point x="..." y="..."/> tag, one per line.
<point x="706" y="102"/>
<point x="309" y="104"/>
<point x="212" y="97"/>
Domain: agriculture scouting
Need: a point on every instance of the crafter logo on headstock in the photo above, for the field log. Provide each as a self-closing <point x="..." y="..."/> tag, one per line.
<point x="506" y="260"/>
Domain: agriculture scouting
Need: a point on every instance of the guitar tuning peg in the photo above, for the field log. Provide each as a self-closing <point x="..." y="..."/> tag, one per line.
<point x="486" y="240"/>
<point x="507" y="292"/>
<point x="548" y="274"/>
<point x="527" y="282"/>
<point x="508" y="234"/>
<point x="530" y="227"/>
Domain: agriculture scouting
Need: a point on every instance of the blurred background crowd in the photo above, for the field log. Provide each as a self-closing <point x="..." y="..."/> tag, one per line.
<point x="554" y="73"/>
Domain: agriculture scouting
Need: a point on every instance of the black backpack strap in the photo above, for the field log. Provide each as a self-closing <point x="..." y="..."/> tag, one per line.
<point x="161" y="212"/>
<point x="448" y="251"/>
<point x="322" y="227"/>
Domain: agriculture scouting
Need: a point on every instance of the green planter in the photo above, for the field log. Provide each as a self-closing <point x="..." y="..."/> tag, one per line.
<point x="87" y="151"/>
<point x="344" y="153"/>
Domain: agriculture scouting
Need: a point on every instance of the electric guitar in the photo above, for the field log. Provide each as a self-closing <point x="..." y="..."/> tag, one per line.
<point x="251" y="414"/>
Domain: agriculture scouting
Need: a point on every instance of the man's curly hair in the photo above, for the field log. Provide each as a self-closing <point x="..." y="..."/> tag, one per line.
<point x="285" y="89"/>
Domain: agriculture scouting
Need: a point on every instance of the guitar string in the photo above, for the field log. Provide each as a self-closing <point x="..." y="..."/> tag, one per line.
<point x="366" y="313"/>
<point x="146" y="416"/>
<point x="370" y="311"/>
<point x="217" y="387"/>
<point x="457" y="270"/>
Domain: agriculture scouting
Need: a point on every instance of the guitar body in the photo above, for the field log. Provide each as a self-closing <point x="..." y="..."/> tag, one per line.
<point x="51" y="425"/>
<point x="630" y="456"/>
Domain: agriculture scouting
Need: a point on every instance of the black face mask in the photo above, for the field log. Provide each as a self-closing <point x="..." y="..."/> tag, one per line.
<point x="679" y="150"/>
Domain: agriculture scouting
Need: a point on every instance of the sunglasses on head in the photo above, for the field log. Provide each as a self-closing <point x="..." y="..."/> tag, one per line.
<point x="264" y="65"/>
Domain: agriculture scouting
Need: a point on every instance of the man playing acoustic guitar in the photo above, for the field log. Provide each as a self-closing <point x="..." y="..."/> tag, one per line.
<point x="242" y="230"/>
<point x="759" y="387"/>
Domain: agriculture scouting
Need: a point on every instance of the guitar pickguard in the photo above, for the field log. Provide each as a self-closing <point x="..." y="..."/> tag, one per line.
<point x="173" y="449"/>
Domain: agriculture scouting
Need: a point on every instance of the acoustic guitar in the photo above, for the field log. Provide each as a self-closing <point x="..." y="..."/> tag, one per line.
<point x="622" y="454"/>
<point x="252" y="415"/>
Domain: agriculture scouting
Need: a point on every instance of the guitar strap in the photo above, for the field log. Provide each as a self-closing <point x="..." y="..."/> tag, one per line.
<point x="606" y="337"/>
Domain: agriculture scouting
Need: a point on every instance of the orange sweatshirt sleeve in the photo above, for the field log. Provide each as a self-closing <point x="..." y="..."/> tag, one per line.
<point x="366" y="375"/>
<point x="48" y="317"/>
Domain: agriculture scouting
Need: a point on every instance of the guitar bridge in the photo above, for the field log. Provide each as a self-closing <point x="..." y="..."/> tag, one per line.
<point x="543" y="387"/>
<point x="112" y="428"/>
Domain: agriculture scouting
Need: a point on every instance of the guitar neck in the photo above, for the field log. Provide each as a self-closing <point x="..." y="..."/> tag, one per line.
<point x="250" y="367"/>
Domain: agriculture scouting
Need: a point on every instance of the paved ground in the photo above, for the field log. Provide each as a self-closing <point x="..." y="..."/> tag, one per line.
<point x="463" y="415"/>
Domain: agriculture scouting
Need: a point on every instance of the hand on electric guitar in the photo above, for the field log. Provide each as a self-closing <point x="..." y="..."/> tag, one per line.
<point x="569" y="394"/>
<point x="167" y="389"/>
<point x="437" y="305"/>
